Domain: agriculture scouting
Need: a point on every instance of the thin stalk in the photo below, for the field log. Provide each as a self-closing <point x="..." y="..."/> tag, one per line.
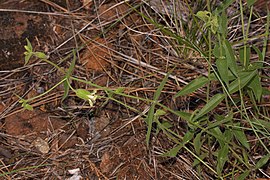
<point x="46" y="92"/>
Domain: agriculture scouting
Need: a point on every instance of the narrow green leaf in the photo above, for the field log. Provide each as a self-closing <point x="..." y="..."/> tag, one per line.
<point x="214" y="101"/>
<point x="167" y="124"/>
<point x="262" y="161"/>
<point x="66" y="90"/>
<point x="222" y="67"/>
<point x="27" y="58"/>
<point x="228" y="135"/>
<point x="214" y="24"/>
<point x="150" y="115"/>
<point x="218" y="135"/>
<point x="223" y="6"/>
<point x="82" y="93"/>
<point x="119" y="90"/>
<point x="217" y="123"/>
<point x="244" y="175"/>
<point x="241" y="81"/>
<point x="67" y="76"/>
<point x="216" y="131"/>
<point x="161" y="86"/>
<point x="217" y="51"/>
<point x="212" y="77"/>
<point x="164" y="125"/>
<point x="261" y="124"/>
<point x="241" y="137"/>
<point x="256" y="87"/>
<point x="40" y="55"/>
<point x="173" y="152"/>
<point x="197" y="161"/>
<point x="72" y="65"/>
<point x="28" y="107"/>
<point x="187" y="137"/>
<point x="28" y="47"/>
<point x="197" y="143"/>
<point x="160" y="112"/>
<point x="223" y="24"/>
<point x="230" y="57"/>
<point x="259" y="53"/>
<point x="192" y="86"/>
<point x="184" y="115"/>
<point x="250" y="2"/>
<point x="245" y="156"/>
<point x="222" y="158"/>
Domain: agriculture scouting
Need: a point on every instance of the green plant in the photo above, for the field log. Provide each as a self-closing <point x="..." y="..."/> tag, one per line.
<point x="81" y="93"/>
<point x="239" y="80"/>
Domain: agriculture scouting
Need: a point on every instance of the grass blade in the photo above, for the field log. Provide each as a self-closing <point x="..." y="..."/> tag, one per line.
<point x="197" y="143"/>
<point x="192" y="86"/>
<point x="230" y="57"/>
<point x="68" y="74"/>
<point x="244" y="175"/>
<point x="222" y="158"/>
<point x="151" y="113"/>
<point x="214" y="101"/>
<point x="262" y="161"/>
<point x="241" y="137"/>
<point x="72" y="65"/>
<point x="173" y="152"/>
<point x="222" y="67"/>
<point x="241" y="81"/>
<point x="256" y="87"/>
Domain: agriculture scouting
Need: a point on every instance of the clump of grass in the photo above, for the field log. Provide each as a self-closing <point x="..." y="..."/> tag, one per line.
<point x="221" y="141"/>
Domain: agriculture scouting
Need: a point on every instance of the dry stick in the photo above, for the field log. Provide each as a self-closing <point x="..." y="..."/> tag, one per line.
<point x="35" y="12"/>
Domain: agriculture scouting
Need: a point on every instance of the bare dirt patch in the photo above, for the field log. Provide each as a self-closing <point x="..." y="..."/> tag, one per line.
<point x="17" y="26"/>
